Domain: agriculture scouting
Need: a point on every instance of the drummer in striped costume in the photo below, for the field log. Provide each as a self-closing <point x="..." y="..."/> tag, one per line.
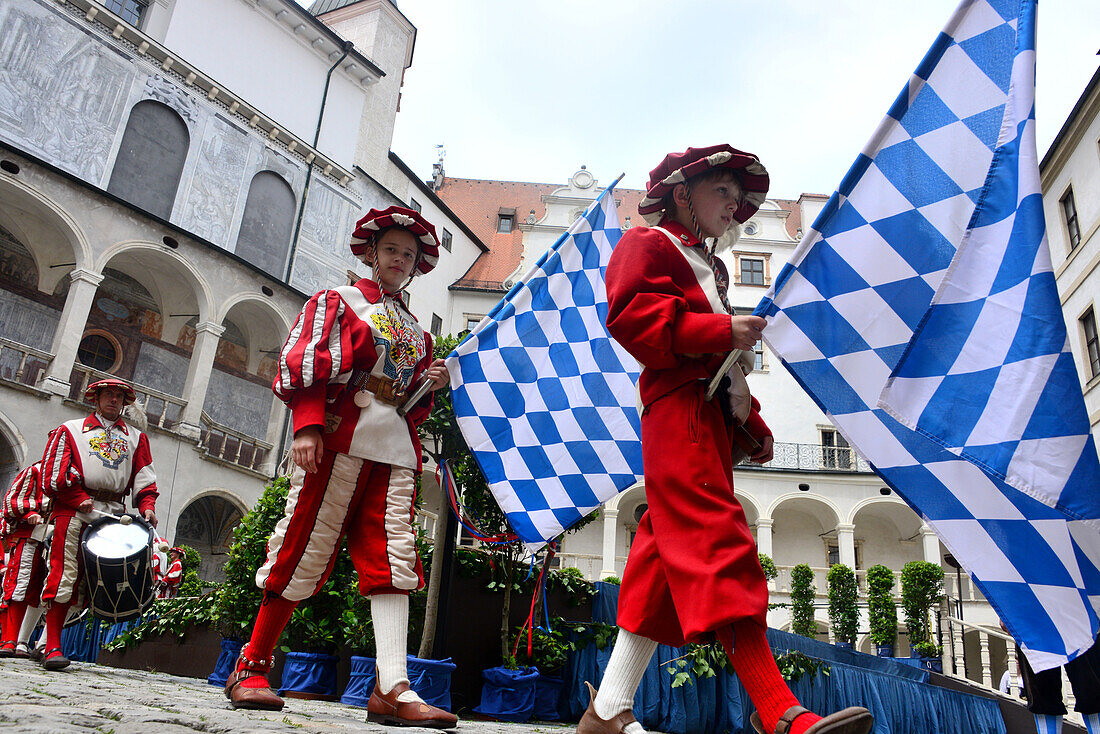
<point x="89" y="463"/>
<point x="24" y="527"/>
<point x="350" y="359"/>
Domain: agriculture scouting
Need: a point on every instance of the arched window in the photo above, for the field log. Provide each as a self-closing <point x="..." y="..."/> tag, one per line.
<point x="268" y="223"/>
<point x="150" y="160"/>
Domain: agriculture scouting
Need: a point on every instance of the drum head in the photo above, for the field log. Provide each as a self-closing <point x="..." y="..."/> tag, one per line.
<point x="112" y="539"/>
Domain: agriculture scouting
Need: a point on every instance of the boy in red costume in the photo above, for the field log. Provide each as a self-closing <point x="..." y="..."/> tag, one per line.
<point x="90" y="464"/>
<point x="24" y="513"/>
<point x="693" y="573"/>
<point x="348" y="363"/>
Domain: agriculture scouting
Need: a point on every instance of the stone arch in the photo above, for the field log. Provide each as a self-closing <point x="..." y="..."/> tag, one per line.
<point x="888" y="530"/>
<point x="13" y="451"/>
<point x="267" y="224"/>
<point x="206" y="524"/>
<point x="46" y="230"/>
<point x="170" y="278"/>
<point x="799" y="524"/>
<point x="151" y="157"/>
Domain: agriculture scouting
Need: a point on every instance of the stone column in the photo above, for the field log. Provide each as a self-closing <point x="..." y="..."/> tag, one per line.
<point x="983" y="651"/>
<point x="276" y="424"/>
<point x="70" y="329"/>
<point x="931" y="544"/>
<point x="610" y="528"/>
<point x="764" y="527"/>
<point x="846" y="540"/>
<point x="198" y="377"/>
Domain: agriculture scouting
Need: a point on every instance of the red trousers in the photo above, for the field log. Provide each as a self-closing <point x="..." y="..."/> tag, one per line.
<point x="693" y="567"/>
<point x="370" y="503"/>
<point x="26" y="570"/>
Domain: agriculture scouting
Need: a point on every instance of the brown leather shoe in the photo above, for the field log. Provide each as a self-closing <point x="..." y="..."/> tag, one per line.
<point x="262" y="699"/>
<point x="591" y="723"/>
<point x="852" y="720"/>
<point x="386" y="709"/>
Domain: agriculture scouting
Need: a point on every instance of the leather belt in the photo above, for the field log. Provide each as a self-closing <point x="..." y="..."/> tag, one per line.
<point x="384" y="389"/>
<point x="105" y="496"/>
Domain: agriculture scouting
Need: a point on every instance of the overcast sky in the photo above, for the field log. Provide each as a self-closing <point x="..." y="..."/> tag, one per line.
<point x="528" y="90"/>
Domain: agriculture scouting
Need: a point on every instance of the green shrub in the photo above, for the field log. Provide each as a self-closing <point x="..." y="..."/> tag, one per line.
<point x="573" y="583"/>
<point x="881" y="609"/>
<point x="921" y="589"/>
<point x="612" y="580"/>
<point x="191" y="584"/>
<point x="843" y="610"/>
<point x="803" y="592"/>
<point x="768" y="566"/>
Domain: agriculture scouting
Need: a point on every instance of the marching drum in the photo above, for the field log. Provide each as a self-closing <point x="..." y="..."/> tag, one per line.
<point x="118" y="564"/>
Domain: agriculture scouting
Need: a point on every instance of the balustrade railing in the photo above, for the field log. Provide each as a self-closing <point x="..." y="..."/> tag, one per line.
<point x="813" y="457"/>
<point x="161" y="409"/>
<point x="224" y="443"/>
<point x="22" y="364"/>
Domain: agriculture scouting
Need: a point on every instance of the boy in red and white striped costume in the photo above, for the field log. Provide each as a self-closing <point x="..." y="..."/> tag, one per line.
<point x="90" y="464"/>
<point x="173" y="575"/>
<point x="693" y="573"/>
<point x="350" y="358"/>
<point x="24" y="513"/>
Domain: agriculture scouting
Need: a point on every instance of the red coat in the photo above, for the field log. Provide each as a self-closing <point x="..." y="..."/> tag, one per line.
<point x="693" y="566"/>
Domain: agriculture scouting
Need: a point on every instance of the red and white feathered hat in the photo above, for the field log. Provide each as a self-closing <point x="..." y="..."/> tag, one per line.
<point x="92" y="393"/>
<point x="397" y="216"/>
<point x="679" y="167"/>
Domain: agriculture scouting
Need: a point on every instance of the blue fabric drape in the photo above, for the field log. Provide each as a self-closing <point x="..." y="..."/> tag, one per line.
<point x="898" y="695"/>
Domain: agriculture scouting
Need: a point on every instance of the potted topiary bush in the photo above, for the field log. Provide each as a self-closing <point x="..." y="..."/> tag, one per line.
<point x="843" y="611"/>
<point x="882" y="610"/>
<point x="549" y="652"/>
<point x="803" y="591"/>
<point x="921" y="589"/>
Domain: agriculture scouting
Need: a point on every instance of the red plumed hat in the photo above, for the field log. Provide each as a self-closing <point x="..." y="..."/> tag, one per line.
<point x="397" y="216"/>
<point x="92" y="393"/>
<point x="679" y="167"/>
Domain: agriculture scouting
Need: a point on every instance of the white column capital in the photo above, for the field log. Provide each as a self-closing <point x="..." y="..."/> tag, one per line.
<point x="845" y="527"/>
<point x="209" y="327"/>
<point x="765" y="522"/>
<point x="85" y="276"/>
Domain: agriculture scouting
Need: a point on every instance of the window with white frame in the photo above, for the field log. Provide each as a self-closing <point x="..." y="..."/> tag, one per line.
<point x="758" y="350"/>
<point x="447" y="240"/>
<point x="414" y="205"/>
<point x="1069" y="212"/>
<point x="835" y="452"/>
<point x="1092" y="344"/>
<point x="131" y="11"/>
<point x="437" y="324"/>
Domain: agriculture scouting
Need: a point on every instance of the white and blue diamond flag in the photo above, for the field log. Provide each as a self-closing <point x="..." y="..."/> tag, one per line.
<point x="544" y="396"/>
<point x="921" y="313"/>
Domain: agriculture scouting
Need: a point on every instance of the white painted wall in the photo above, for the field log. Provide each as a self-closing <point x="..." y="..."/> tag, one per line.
<point x="243" y="47"/>
<point x="1076" y="165"/>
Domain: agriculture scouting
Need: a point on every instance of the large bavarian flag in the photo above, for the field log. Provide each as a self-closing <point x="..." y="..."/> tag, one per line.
<point x="544" y="396"/>
<point x="921" y="313"/>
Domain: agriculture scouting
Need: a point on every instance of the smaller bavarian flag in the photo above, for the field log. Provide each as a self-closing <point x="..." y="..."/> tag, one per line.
<point x="544" y="396"/>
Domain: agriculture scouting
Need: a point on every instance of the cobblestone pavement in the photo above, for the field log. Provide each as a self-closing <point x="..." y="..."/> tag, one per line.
<point x="94" y="698"/>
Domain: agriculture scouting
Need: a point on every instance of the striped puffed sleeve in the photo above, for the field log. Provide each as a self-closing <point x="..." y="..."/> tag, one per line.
<point x="59" y="471"/>
<point x="317" y="351"/>
<point x="25" y="494"/>
<point x="143" y="479"/>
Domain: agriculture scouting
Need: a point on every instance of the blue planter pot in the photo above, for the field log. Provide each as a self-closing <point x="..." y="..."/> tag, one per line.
<point x="884" y="651"/>
<point x="231" y="650"/>
<point x="309" y="675"/>
<point x="508" y="695"/>
<point x="547" y="693"/>
<point x="360" y="682"/>
<point x="431" y="679"/>
<point x="933" y="664"/>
